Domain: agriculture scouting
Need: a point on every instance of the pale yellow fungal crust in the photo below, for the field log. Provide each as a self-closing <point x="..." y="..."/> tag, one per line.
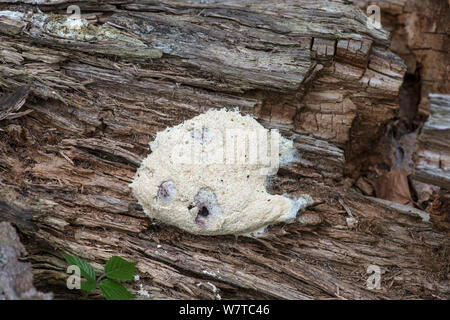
<point x="196" y="179"/>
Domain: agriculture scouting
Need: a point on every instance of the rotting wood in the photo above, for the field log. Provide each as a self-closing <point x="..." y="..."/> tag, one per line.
<point x="432" y="159"/>
<point x="311" y="69"/>
<point x="420" y="36"/>
<point x="433" y="154"/>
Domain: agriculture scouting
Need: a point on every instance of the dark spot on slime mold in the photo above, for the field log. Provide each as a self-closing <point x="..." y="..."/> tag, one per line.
<point x="166" y="191"/>
<point x="204" y="212"/>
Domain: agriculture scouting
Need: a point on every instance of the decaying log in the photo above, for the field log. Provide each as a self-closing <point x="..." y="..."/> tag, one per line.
<point x="312" y="69"/>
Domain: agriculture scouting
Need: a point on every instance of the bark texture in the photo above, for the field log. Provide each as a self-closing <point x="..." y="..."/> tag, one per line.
<point x="433" y="159"/>
<point x="99" y="94"/>
<point x="16" y="278"/>
<point x="433" y="154"/>
<point x="419" y="35"/>
<point x="420" y="32"/>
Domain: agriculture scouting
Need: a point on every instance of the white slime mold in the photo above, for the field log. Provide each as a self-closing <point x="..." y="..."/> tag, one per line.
<point x="207" y="176"/>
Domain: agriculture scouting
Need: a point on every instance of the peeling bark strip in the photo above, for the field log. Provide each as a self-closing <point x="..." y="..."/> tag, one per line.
<point x="311" y="69"/>
<point x="433" y="155"/>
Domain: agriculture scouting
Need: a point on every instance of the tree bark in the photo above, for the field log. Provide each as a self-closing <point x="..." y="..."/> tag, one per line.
<point x="432" y="157"/>
<point x="433" y="154"/>
<point x="98" y="95"/>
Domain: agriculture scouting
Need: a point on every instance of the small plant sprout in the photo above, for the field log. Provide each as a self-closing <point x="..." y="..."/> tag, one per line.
<point x="116" y="270"/>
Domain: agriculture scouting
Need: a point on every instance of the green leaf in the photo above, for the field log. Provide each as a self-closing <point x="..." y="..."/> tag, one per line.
<point x="86" y="269"/>
<point x="120" y="269"/>
<point x="88" y="285"/>
<point x="112" y="290"/>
